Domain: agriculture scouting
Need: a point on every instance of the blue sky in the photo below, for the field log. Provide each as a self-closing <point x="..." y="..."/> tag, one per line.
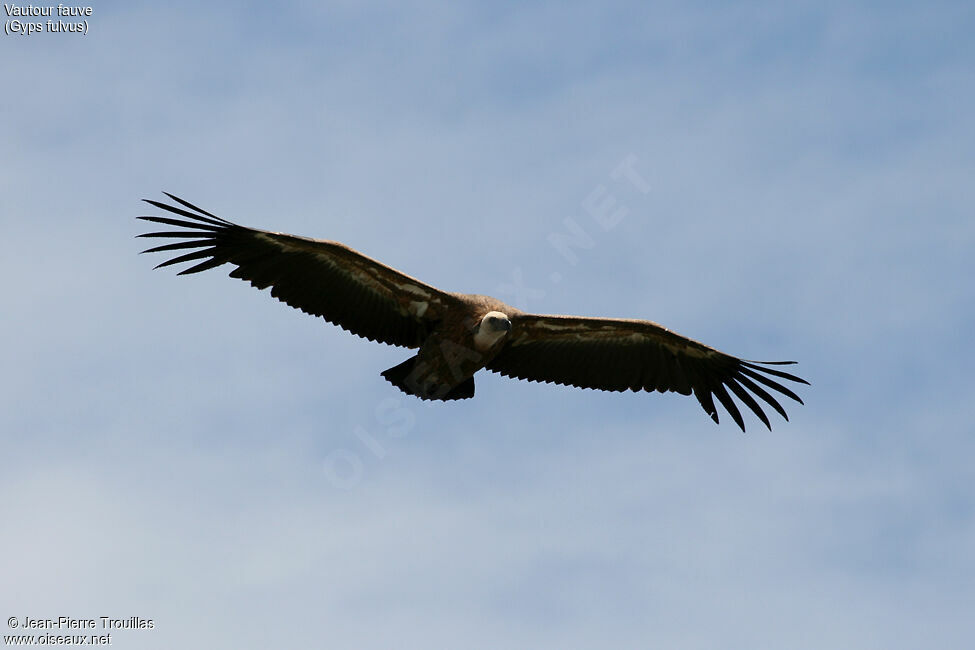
<point x="190" y="450"/>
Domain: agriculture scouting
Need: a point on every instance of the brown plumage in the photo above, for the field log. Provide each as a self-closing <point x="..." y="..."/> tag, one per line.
<point x="458" y="334"/>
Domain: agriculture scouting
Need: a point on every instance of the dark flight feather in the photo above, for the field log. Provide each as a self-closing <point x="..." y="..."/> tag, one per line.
<point x="319" y="277"/>
<point x="559" y="349"/>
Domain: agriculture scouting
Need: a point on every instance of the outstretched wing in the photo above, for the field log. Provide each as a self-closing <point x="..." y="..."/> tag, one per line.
<point x="616" y="354"/>
<point x="322" y="278"/>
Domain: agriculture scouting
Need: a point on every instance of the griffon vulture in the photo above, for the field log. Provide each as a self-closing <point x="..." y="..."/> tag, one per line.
<point x="458" y="334"/>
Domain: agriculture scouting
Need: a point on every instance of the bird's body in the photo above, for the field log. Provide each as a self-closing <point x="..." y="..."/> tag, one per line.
<point x="457" y="335"/>
<point x="470" y="334"/>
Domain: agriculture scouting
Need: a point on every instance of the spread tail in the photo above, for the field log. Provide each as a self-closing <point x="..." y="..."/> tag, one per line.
<point x="410" y="379"/>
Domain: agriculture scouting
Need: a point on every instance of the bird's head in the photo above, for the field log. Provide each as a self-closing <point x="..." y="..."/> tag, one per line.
<point x="492" y="327"/>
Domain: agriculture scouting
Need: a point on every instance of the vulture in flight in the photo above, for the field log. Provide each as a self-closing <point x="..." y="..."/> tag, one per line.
<point x="457" y="334"/>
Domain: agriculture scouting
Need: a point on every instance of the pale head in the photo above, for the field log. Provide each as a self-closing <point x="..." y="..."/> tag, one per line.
<point x="493" y="326"/>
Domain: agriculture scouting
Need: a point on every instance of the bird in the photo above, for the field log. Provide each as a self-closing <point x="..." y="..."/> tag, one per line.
<point x="457" y="334"/>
